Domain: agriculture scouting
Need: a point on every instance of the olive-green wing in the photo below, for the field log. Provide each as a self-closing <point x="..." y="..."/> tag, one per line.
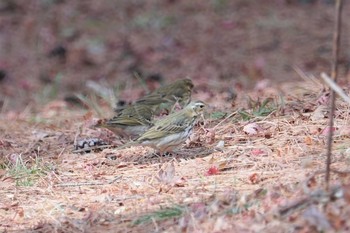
<point x="133" y="115"/>
<point x="165" y="128"/>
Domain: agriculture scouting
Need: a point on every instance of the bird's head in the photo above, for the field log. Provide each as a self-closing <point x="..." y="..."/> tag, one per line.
<point x="187" y="83"/>
<point x="197" y="107"/>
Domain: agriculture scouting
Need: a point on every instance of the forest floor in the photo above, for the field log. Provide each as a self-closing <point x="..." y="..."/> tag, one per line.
<point x="273" y="156"/>
<point x="255" y="163"/>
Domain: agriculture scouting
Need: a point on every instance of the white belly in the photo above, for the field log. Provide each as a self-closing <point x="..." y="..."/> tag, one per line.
<point x="169" y="142"/>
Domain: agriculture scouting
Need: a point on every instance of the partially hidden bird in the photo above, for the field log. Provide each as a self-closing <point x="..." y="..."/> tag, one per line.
<point x="165" y="97"/>
<point x="171" y="131"/>
<point x="131" y="122"/>
<point x="136" y="118"/>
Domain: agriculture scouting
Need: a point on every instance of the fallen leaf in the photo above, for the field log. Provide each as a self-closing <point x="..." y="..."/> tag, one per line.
<point x="220" y="145"/>
<point x="308" y="140"/>
<point x="20" y="212"/>
<point x="326" y="130"/>
<point x="225" y="165"/>
<point x="39" y="135"/>
<point x="258" y="152"/>
<point x="252" y="129"/>
<point x="122" y="164"/>
<point x="194" y="139"/>
<point x="320" y="112"/>
<point x="166" y="174"/>
<point x="312" y="183"/>
<point x="210" y="136"/>
<point x="88" y="116"/>
<point x="254" y="178"/>
<point x="213" y="170"/>
<point x="324" y="98"/>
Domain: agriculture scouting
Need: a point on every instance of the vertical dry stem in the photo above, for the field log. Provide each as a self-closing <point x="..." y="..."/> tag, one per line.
<point x="336" y="45"/>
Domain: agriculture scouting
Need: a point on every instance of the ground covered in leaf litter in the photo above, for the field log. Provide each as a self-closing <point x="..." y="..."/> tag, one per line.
<point x="264" y="179"/>
<point x="223" y="46"/>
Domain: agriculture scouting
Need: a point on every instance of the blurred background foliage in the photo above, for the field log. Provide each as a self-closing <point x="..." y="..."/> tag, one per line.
<point x="53" y="49"/>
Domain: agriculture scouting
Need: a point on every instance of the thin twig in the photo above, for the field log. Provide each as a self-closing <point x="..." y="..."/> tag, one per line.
<point x="225" y="119"/>
<point x="88" y="183"/>
<point x="306" y="77"/>
<point x="336" y="44"/>
<point x="335" y="87"/>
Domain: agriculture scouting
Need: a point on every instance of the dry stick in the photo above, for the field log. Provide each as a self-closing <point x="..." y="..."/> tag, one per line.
<point x="335" y="87"/>
<point x="88" y="183"/>
<point x="336" y="43"/>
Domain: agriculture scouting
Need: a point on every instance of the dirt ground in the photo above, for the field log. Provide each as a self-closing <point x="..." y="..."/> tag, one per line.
<point x="255" y="162"/>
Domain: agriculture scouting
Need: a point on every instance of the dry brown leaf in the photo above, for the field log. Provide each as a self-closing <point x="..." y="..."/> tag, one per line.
<point x="320" y="113"/>
<point x="194" y="139"/>
<point x="166" y="174"/>
<point x="254" y="178"/>
<point x="308" y="140"/>
<point x="210" y="136"/>
<point x="88" y="116"/>
<point x="223" y="165"/>
<point x="20" y="212"/>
